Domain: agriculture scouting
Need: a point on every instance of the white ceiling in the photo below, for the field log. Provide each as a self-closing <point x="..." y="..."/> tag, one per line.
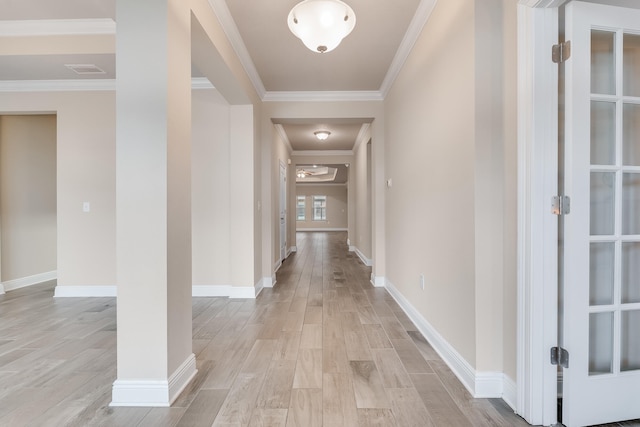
<point x="365" y="61"/>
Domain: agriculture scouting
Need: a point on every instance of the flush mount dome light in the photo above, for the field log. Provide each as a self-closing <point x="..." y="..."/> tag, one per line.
<point x="321" y="24"/>
<point x="322" y="134"/>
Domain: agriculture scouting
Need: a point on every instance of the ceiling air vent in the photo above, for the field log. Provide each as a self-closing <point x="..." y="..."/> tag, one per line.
<point x="84" y="69"/>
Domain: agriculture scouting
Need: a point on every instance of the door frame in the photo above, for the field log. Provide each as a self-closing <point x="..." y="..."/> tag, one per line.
<point x="537" y="302"/>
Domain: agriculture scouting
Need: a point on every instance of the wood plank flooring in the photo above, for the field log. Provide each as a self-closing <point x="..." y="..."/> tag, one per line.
<point x="322" y="348"/>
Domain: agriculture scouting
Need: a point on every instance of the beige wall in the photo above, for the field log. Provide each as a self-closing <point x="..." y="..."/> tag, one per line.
<point x="450" y="135"/>
<point x="85" y="173"/>
<point x="210" y="188"/>
<point x="281" y="156"/>
<point x="337" y="206"/>
<point x="27" y="195"/>
<point x="430" y="158"/>
<point x="362" y="186"/>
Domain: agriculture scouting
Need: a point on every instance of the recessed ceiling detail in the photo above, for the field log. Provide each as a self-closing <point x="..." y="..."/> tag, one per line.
<point x="84" y="69"/>
<point x="315" y="173"/>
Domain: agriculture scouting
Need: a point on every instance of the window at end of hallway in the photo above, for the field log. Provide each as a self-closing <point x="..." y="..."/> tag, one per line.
<point x="319" y="208"/>
<point x="300" y="208"/>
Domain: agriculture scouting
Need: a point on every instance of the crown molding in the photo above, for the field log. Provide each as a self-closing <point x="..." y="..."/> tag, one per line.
<point x="413" y="32"/>
<point x="320" y="184"/>
<point x="78" y="85"/>
<point x="322" y="153"/>
<point x="542" y="3"/>
<point x="284" y="137"/>
<point x="57" y="85"/>
<point x="362" y="136"/>
<point x="201" y="83"/>
<point x="229" y="27"/>
<point x="321" y="96"/>
<point x="57" y="27"/>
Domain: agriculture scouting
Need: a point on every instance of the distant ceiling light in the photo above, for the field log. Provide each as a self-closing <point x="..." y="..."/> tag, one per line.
<point x="322" y="134"/>
<point x="321" y="24"/>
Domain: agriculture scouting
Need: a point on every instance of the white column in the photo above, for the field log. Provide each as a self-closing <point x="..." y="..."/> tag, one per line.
<point x="153" y="202"/>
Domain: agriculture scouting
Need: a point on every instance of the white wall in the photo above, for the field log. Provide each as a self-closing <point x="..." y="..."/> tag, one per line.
<point x="337" y="207"/>
<point x="27" y="198"/>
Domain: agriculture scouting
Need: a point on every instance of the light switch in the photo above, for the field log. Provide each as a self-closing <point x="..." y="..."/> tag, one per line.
<point x="86" y="207"/>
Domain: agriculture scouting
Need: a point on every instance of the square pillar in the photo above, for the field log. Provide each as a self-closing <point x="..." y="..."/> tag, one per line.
<point x="153" y="202"/>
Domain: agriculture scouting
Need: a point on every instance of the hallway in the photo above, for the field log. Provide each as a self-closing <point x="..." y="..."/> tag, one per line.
<point x="321" y="348"/>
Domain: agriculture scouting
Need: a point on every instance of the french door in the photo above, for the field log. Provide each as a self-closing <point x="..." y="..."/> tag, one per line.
<point x="601" y="276"/>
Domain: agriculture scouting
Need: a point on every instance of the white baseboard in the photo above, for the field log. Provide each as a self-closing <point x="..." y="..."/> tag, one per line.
<point x="479" y="384"/>
<point x="293" y="249"/>
<point x="210" y="290"/>
<point x="248" y="292"/>
<point x="349" y="243"/>
<point x="352" y="248"/>
<point x="277" y="265"/>
<point x="85" y="291"/>
<point x="269" y="282"/>
<point x="509" y="392"/>
<point x="155" y="393"/>
<point x="378" y="281"/>
<point x="321" y="229"/>
<point x="366" y="261"/>
<point x="23" y="282"/>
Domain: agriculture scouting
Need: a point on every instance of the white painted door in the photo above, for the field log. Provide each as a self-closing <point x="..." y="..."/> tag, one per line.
<point x="283" y="212"/>
<point x="601" y="300"/>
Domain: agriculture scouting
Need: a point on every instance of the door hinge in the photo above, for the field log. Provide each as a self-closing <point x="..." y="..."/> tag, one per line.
<point x="559" y="356"/>
<point x="560" y="205"/>
<point x="561" y="52"/>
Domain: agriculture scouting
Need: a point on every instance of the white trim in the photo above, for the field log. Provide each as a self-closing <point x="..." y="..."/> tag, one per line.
<point x="321" y="184"/>
<point x="22" y="282"/>
<point x="284" y="137"/>
<point x="321" y="229"/>
<point x="366" y="261"/>
<point x="509" y="392"/>
<point x="364" y="135"/>
<point x="57" y="85"/>
<point x="537" y="227"/>
<point x="418" y="22"/>
<point x="293" y="249"/>
<point x="246" y="292"/>
<point x="1" y="289"/>
<point x="86" y="291"/>
<point x="231" y="30"/>
<point x="378" y="281"/>
<point x="322" y="96"/>
<point x="57" y="27"/>
<point x="488" y="385"/>
<point x="210" y="290"/>
<point x="460" y="367"/>
<point x="352" y="248"/>
<point x="322" y="153"/>
<point x="269" y="282"/>
<point x="201" y="83"/>
<point x="73" y="85"/>
<point x="154" y="393"/>
<point x="277" y="265"/>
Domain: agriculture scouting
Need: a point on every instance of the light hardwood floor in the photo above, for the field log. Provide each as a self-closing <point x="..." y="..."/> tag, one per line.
<point x="322" y="348"/>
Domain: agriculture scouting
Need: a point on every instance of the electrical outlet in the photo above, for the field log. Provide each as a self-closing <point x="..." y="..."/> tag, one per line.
<point x="422" y="282"/>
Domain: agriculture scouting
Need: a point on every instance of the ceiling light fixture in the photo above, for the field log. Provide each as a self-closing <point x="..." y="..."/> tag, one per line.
<point x="321" y="24"/>
<point x="322" y="134"/>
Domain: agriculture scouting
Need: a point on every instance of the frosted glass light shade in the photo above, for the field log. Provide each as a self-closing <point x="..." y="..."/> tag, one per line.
<point x="321" y="24"/>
